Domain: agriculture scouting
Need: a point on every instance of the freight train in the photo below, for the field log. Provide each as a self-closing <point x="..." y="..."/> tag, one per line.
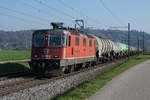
<point x="64" y="50"/>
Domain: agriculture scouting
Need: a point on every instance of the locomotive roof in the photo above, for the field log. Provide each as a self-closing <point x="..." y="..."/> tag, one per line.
<point x="71" y="31"/>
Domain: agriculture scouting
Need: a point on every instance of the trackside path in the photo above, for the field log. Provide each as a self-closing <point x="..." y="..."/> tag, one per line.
<point x="133" y="84"/>
<point x="13" y="61"/>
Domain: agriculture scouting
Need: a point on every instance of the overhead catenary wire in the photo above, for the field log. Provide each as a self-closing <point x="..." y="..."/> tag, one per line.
<point x="45" y="4"/>
<point x="55" y="9"/>
<point x="81" y="13"/>
<point x="39" y="10"/>
<point x="71" y="8"/>
<point x="25" y="14"/>
<point x="21" y="19"/>
<point x="44" y="20"/>
<point x="29" y="5"/>
<point x="112" y="14"/>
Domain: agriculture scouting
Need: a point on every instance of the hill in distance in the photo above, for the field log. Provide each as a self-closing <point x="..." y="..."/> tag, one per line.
<point x="21" y="40"/>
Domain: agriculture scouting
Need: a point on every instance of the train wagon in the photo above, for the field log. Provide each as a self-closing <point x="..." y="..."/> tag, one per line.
<point x="124" y="49"/>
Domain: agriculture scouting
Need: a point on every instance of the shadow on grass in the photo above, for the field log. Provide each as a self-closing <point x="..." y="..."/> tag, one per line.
<point x="138" y="58"/>
<point x="148" y="58"/>
<point x="12" y="67"/>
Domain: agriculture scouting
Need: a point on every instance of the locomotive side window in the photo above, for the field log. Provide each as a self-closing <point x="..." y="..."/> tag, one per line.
<point x="77" y="41"/>
<point x="90" y="43"/>
<point x="57" y="40"/>
<point x="84" y="42"/>
<point x="38" y="40"/>
<point x="69" y="41"/>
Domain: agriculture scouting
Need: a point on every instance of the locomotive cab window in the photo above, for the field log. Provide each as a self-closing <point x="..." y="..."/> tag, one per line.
<point x="77" y="41"/>
<point x="38" y="39"/>
<point x="84" y="42"/>
<point x="90" y="43"/>
<point x="57" y="40"/>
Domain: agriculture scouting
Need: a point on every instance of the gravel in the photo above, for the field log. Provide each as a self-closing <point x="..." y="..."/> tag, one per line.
<point x="56" y="87"/>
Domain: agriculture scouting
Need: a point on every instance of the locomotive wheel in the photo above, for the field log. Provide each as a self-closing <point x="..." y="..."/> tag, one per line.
<point x="72" y="68"/>
<point x="46" y="73"/>
<point x="65" y="70"/>
<point x="34" y="69"/>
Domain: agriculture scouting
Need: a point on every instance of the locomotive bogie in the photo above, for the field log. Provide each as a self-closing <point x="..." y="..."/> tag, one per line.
<point x="52" y="64"/>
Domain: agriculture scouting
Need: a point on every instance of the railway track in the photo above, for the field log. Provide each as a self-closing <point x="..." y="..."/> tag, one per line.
<point x="36" y="81"/>
<point x="7" y="76"/>
<point x="16" y="86"/>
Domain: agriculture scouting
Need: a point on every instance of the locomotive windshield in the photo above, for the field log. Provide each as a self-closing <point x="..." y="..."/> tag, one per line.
<point x="39" y="40"/>
<point x="57" y="40"/>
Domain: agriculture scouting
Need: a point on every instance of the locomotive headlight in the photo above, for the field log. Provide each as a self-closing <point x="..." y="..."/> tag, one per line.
<point x="35" y="56"/>
<point x="56" y="56"/>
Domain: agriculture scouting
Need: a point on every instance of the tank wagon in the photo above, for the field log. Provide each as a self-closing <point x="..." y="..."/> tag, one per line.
<point x="124" y="49"/>
<point x="63" y="50"/>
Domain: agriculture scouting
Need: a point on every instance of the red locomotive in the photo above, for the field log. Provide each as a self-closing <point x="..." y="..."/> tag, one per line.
<point x="61" y="49"/>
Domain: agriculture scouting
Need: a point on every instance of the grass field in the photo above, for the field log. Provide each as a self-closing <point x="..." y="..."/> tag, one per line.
<point x="87" y="89"/>
<point x="14" y="55"/>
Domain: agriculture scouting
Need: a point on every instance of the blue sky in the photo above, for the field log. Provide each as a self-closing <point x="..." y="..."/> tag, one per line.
<point x="33" y="14"/>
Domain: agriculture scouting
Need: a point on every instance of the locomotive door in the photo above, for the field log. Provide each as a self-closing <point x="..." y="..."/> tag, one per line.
<point x="69" y="47"/>
<point x="84" y="47"/>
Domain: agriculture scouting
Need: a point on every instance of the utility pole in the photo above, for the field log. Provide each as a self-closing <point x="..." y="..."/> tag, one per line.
<point x="128" y="40"/>
<point x="143" y="43"/>
<point x="128" y="36"/>
<point x="138" y="43"/>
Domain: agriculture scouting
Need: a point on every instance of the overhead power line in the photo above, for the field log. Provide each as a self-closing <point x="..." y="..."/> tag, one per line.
<point x="80" y="13"/>
<point x="25" y="14"/>
<point x="21" y="19"/>
<point x="53" y="8"/>
<point x="112" y="14"/>
<point x="71" y="8"/>
<point x="66" y="5"/>
<point x="29" y="5"/>
<point x="38" y="9"/>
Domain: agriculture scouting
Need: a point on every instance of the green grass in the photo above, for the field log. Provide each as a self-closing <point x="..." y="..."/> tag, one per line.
<point x="87" y="89"/>
<point x="13" y="67"/>
<point x="14" y="55"/>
